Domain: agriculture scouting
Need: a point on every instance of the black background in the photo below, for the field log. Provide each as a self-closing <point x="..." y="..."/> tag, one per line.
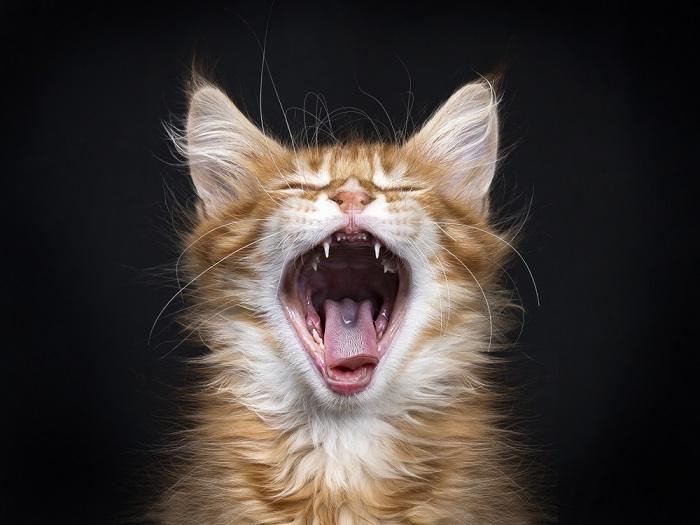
<point x="597" y="120"/>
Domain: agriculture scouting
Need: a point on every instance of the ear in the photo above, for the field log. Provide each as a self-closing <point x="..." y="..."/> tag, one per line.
<point x="462" y="137"/>
<point x="220" y="143"/>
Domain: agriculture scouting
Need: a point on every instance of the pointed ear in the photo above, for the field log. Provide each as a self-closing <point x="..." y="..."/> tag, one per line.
<point x="220" y="143"/>
<point x="462" y="137"/>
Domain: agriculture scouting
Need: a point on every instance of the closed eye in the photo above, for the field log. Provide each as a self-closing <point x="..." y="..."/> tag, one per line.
<point x="404" y="189"/>
<point x="295" y="185"/>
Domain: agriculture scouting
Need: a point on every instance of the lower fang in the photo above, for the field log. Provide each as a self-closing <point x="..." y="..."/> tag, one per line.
<point x="381" y="322"/>
<point x="317" y="338"/>
<point x="313" y="321"/>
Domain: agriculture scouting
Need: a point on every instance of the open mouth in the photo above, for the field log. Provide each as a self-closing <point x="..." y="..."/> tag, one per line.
<point x="346" y="299"/>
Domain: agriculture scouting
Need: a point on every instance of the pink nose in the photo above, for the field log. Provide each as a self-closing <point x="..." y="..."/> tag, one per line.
<point x="352" y="201"/>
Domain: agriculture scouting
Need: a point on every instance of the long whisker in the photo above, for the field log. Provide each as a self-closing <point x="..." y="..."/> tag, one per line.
<point x="263" y="50"/>
<point x="190" y="245"/>
<point x="447" y="286"/>
<point x="284" y="263"/>
<point x="517" y="291"/>
<point x="150" y="334"/>
<point x="483" y="293"/>
<point x="194" y="327"/>
<point x="322" y="100"/>
<point x="527" y="267"/>
<point x="519" y="307"/>
<point x="421" y="253"/>
<point x="393" y="129"/>
<point x="409" y="100"/>
<point x="180" y="311"/>
<point x="318" y="121"/>
<point x="306" y="127"/>
<point x="527" y="215"/>
<point x="275" y="90"/>
<point x="262" y="120"/>
<point x="341" y="111"/>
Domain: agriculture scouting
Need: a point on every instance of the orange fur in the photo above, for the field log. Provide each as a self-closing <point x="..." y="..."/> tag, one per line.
<point x="448" y="461"/>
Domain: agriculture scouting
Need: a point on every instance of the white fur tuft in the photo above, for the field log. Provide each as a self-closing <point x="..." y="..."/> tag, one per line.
<point x="218" y="144"/>
<point x="463" y="136"/>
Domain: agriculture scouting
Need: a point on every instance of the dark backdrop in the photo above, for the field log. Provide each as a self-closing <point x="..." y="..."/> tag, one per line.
<point x="597" y="122"/>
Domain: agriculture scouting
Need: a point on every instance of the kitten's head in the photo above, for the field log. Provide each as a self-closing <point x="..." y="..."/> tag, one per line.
<point x="351" y="275"/>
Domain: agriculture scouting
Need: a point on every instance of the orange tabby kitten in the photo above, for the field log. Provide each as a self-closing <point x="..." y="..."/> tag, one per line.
<point x="349" y="296"/>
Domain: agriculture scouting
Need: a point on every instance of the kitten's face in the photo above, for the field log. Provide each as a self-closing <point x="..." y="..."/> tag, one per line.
<point x="333" y="270"/>
<point x="354" y="273"/>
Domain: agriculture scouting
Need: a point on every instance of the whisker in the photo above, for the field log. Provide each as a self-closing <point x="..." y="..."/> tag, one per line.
<point x="284" y="263"/>
<point x="150" y="334"/>
<point x="339" y="112"/>
<point x="324" y="105"/>
<point x="409" y="101"/>
<point x="393" y="129"/>
<point x="527" y="215"/>
<point x="447" y="286"/>
<point x="527" y="267"/>
<point x="262" y="120"/>
<point x="194" y="327"/>
<point x="266" y="64"/>
<point x="483" y="293"/>
<point x="263" y="49"/>
<point x="427" y="263"/>
<point x="179" y="259"/>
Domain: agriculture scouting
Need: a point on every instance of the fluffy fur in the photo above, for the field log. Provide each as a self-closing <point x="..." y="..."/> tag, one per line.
<point x="269" y="442"/>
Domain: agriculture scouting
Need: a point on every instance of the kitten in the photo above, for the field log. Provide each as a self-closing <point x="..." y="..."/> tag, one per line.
<point x="349" y="296"/>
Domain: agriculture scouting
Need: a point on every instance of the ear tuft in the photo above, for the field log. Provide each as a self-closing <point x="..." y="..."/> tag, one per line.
<point x="462" y="136"/>
<point x="219" y="144"/>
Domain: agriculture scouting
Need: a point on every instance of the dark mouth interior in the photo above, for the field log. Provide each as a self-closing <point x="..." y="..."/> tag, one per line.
<point x="351" y="275"/>
<point x="344" y="298"/>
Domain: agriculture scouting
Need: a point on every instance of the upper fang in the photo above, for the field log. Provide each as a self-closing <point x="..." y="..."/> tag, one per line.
<point x="326" y="248"/>
<point x="376" y="250"/>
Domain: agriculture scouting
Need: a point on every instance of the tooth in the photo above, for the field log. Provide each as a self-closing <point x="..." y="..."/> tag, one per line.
<point x="376" y="250"/>
<point x="314" y="261"/>
<point x="317" y="338"/>
<point x="389" y="266"/>
<point x="326" y="248"/>
<point x="381" y="322"/>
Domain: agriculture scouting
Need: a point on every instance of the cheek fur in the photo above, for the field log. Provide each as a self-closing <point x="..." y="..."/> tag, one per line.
<point x="272" y="239"/>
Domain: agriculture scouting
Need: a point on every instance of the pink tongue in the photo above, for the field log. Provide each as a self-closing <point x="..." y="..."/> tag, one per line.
<point x="349" y="336"/>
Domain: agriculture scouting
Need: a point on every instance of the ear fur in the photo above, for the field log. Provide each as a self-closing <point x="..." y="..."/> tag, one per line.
<point x="462" y="136"/>
<point x="219" y="144"/>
